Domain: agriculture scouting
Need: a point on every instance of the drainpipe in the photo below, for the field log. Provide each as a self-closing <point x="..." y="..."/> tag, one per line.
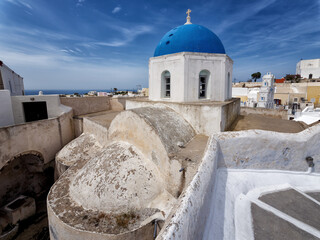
<point x="155" y="228"/>
<point x="310" y="164"/>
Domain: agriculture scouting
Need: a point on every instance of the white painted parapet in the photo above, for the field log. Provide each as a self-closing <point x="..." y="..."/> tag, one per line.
<point x="257" y="149"/>
<point x="54" y="107"/>
<point x="206" y="208"/>
<point x="188" y="218"/>
<point x="46" y="137"/>
<point x="205" y="117"/>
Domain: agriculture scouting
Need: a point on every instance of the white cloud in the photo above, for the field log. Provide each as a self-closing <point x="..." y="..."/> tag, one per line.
<point x="80" y="3"/>
<point x="20" y="3"/>
<point x="128" y="35"/>
<point x="241" y="15"/>
<point x="116" y="9"/>
<point x="26" y="4"/>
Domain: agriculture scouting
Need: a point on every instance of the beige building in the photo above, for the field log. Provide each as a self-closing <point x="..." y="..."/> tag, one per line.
<point x="285" y="93"/>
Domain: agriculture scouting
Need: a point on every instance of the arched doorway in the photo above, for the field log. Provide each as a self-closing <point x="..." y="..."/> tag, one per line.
<point x="25" y="174"/>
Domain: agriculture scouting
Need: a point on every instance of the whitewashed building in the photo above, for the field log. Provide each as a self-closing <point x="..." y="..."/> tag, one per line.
<point x="190" y="65"/>
<point x="309" y="68"/>
<point x="10" y="80"/>
<point x="266" y="94"/>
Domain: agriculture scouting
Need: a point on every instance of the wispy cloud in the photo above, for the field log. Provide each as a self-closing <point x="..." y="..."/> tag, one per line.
<point x="127" y="36"/>
<point x="20" y="3"/>
<point x="260" y="35"/>
<point x="116" y="9"/>
<point x="241" y="13"/>
<point x="80" y="3"/>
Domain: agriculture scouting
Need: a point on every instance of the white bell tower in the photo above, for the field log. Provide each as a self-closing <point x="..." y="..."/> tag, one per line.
<point x="266" y="94"/>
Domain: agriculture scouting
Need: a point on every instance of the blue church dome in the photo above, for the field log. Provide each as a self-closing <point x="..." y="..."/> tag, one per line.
<point x="189" y="38"/>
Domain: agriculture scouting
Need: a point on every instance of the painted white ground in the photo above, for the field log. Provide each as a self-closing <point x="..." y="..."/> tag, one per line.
<point x="231" y="184"/>
<point x="309" y="115"/>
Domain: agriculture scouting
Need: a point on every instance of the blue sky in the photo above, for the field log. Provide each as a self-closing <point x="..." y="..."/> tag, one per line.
<point x="91" y="44"/>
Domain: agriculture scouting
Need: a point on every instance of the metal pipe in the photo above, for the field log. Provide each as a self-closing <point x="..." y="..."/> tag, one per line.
<point x="155" y="229"/>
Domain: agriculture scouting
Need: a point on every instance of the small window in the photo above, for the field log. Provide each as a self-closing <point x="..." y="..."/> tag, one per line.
<point x="203" y="83"/>
<point x="295" y="99"/>
<point x="262" y="98"/>
<point x="166" y="84"/>
<point x="310" y="76"/>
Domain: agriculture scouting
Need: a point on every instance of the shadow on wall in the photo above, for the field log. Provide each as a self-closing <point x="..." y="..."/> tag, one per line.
<point x="26" y="175"/>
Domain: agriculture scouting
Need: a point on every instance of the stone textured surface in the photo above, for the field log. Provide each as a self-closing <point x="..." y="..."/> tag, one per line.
<point x="274" y="113"/>
<point x="85" y="147"/>
<point x="69" y="220"/>
<point x="169" y="126"/>
<point x="156" y="132"/>
<point x="117" y="180"/>
<point x="268" y="123"/>
<point x="135" y="175"/>
<point x="85" y="105"/>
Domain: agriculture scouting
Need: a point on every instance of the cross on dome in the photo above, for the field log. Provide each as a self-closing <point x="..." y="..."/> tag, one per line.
<point x="188" y="17"/>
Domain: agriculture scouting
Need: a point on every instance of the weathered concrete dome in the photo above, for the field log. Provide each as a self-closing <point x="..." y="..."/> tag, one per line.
<point x="119" y="180"/>
<point x="189" y="38"/>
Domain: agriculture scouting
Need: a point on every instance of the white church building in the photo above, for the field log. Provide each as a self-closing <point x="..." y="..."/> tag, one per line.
<point x="190" y="64"/>
<point x="164" y="169"/>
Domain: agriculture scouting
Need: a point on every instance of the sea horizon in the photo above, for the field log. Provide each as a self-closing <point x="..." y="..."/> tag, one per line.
<point x="68" y="91"/>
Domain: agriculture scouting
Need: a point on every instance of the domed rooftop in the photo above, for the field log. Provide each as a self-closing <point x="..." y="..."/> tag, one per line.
<point x="189" y="38"/>
<point x="118" y="180"/>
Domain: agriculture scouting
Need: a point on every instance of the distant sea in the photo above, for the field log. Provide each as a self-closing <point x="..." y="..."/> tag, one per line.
<point x="66" y="91"/>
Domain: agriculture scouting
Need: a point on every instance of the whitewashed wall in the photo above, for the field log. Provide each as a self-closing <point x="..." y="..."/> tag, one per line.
<point x="46" y="137"/>
<point x="11" y="81"/>
<point x="184" y="68"/>
<point x="255" y="149"/>
<point x="188" y="218"/>
<point x="205" y="118"/>
<point x="174" y="63"/>
<point x="6" y="114"/>
<point x="306" y="67"/>
<point x="54" y="107"/>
